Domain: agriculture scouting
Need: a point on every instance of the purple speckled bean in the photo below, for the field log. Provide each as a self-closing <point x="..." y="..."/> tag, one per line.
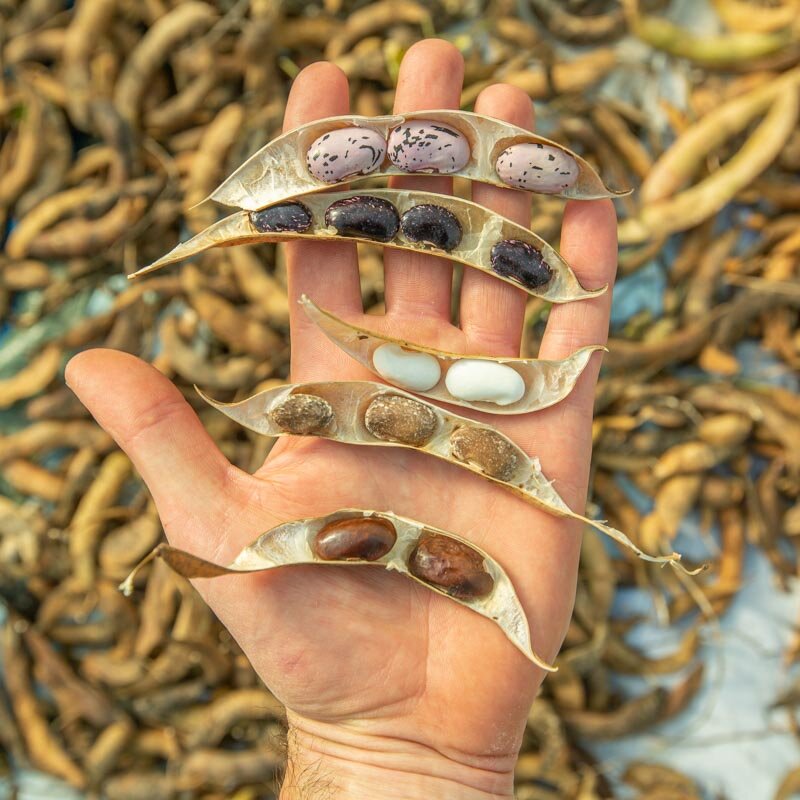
<point x="427" y="146"/>
<point x="537" y="168"/>
<point x="342" y="153"/>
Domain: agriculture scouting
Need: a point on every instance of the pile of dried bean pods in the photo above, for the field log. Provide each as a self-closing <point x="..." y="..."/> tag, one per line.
<point x="118" y="117"/>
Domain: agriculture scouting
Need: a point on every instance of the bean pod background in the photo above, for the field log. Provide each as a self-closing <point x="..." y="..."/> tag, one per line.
<point x="117" y="118"/>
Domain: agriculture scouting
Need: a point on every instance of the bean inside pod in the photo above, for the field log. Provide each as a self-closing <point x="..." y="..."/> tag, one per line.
<point x="366" y="538"/>
<point x="452" y="566"/>
<point x="345" y="152"/>
<point x="364" y="215"/>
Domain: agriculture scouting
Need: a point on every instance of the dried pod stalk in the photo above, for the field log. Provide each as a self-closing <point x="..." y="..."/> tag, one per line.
<point x="483" y="230"/>
<point x="452" y="566"/>
<point x="422" y="426"/>
<point x="545" y="382"/>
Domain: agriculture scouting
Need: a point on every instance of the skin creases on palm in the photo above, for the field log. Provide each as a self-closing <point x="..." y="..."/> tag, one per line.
<point x="359" y="648"/>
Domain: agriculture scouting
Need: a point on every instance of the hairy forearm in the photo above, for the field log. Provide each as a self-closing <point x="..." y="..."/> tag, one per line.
<point x="330" y="762"/>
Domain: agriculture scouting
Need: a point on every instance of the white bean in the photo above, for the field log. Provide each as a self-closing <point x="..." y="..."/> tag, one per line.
<point x="416" y="371"/>
<point x="478" y="380"/>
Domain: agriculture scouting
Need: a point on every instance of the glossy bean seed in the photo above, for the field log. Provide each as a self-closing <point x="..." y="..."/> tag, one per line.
<point x="433" y="225"/>
<point x="292" y="216"/>
<point x="486" y="449"/>
<point x="363" y="539"/>
<point x="302" y="414"/>
<point x="364" y="216"/>
<point x="513" y="258"/>
<point x="345" y="152"/>
<point x="452" y="566"/>
<point x="537" y="168"/>
<point x="393" y="418"/>
<point x="427" y="146"/>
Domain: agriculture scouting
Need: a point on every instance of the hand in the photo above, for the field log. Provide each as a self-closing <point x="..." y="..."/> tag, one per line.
<point x="390" y="689"/>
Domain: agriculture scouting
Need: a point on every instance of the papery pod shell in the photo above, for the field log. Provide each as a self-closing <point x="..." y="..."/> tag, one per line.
<point x="350" y="399"/>
<point x="278" y="172"/>
<point x="546" y="382"/>
<point x="482" y="229"/>
<point x="291" y="543"/>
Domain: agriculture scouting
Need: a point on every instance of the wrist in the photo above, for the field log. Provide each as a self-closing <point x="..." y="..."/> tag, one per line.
<point x="334" y="761"/>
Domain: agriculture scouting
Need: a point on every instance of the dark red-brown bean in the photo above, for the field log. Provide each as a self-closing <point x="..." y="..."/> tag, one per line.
<point x="452" y="566"/>
<point x="362" y="538"/>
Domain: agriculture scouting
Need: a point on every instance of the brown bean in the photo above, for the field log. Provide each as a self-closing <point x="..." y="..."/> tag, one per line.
<point x="302" y="414"/>
<point x="393" y="418"/>
<point x="452" y="566"/>
<point x="362" y="539"/>
<point x="486" y="449"/>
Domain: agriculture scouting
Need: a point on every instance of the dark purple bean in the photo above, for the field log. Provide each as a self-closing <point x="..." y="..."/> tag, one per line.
<point x="302" y="414"/>
<point x="393" y="418"/>
<point x="485" y="449"/>
<point x="452" y="566"/>
<point x="522" y="262"/>
<point x="433" y="225"/>
<point x="364" y="216"/>
<point x="292" y="216"/>
<point x="363" y="538"/>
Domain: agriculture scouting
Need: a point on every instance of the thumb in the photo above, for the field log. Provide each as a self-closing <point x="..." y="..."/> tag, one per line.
<point x="190" y="479"/>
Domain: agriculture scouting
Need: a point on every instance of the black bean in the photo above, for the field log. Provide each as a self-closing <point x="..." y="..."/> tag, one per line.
<point x="433" y="225"/>
<point x="293" y="217"/>
<point x="522" y="262"/>
<point x="364" y="216"/>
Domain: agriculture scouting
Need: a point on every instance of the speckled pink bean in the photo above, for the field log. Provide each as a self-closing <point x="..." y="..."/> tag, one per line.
<point x="537" y="168"/>
<point x="428" y="146"/>
<point x="340" y="154"/>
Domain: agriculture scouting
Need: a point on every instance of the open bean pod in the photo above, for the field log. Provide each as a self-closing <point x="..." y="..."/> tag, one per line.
<point x="367" y="413"/>
<point x="440" y="561"/>
<point x="333" y="151"/>
<point x="483" y="383"/>
<point x="408" y="220"/>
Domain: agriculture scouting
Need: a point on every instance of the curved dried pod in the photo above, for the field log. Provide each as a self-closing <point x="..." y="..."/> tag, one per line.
<point x="441" y="561"/>
<point x="279" y="170"/>
<point x="368" y="413"/>
<point x="488" y="242"/>
<point x="493" y="385"/>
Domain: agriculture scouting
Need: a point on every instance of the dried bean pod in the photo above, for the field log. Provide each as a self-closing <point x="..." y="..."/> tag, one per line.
<point x="533" y="265"/>
<point x="427" y="371"/>
<point x="441" y="561"/>
<point x="278" y="170"/>
<point x="460" y="441"/>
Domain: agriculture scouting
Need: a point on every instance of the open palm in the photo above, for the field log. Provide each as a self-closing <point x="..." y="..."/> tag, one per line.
<point x="358" y="650"/>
